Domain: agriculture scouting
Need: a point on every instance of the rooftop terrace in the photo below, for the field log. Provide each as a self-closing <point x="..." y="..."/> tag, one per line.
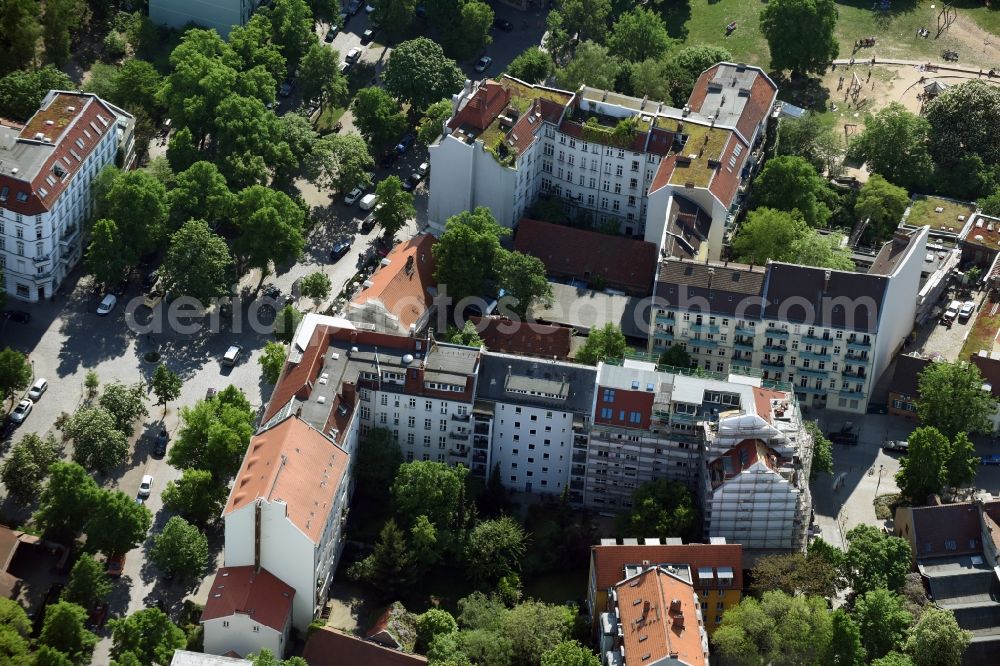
<point x="701" y="155"/>
<point x="943" y="215"/>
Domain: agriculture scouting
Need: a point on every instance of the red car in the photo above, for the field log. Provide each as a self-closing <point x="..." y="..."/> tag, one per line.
<point x="116" y="563"/>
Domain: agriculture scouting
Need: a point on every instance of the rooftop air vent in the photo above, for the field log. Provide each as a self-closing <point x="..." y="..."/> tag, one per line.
<point x="407" y="359"/>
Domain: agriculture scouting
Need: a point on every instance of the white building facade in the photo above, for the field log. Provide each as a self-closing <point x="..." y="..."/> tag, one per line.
<point x="46" y="170"/>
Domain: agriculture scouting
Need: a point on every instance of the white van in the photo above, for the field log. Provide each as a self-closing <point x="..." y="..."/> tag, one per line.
<point x="368" y="201"/>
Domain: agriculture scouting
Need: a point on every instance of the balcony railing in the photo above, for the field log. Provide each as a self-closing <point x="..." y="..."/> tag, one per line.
<point x="459" y="453"/>
<point x="783" y="348"/>
<point x="743" y="343"/>
<point x="578" y="470"/>
<point x="745" y="330"/>
<point x="461" y="436"/>
<point x="776" y="332"/>
<point x="478" y="457"/>
<point x="813" y="372"/>
<point x="481" y="429"/>
<point x="817" y="339"/>
<point x="705" y="328"/>
<point x="464" y="418"/>
<point x="858" y="343"/>
<point x="579" y="457"/>
<point x="857" y="358"/>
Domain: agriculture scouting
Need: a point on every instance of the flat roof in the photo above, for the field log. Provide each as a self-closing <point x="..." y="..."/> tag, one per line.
<point x="585" y="309"/>
<point x="529" y="381"/>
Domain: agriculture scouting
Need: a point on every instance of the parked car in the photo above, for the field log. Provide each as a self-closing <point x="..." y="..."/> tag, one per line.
<point x="351" y="197"/>
<point x="896" y="445"/>
<point x="368" y="201"/>
<point x="151" y="280"/>
<point x="353" y="55"/>
<point x="484" y="64"/>
<point x="160" y="444"/>
<point x="344" y="18"/>
<point x="330" y="34"/>
<point x="966" y="310"/>
<point x="368" y="224"/>
<point x="412" y="181"/>
<point x="369" y="9"/>
<point x="115" y="565"/>
<point x="210" y="393"/>
<point x="20" y="316"/>
<point x="344" y="66"/>
<point x="952" y="312"/>
<point x="846" y="435"/>
<point x="502" y="24"/>
<point x="21" y="411"/>
<point x="367" y="35"/>
<point x="424" y="168"/>
<point x="146" y="485"/>
<point x="354" y="7"/>
<point x="107" y="304"/>
<point x="37" y="389"/>
<point x="405" y="143"/>
<point x="232" y="355"/>
<point x="993" y="459"/>
<point x="339" y="250"/>
<point x="285" y="89"/>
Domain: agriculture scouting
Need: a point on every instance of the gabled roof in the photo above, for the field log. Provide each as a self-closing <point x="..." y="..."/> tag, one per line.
<point x="946" y="530"/>
<point x="329" y="647"/>
<point x="257" y="594"/>
<point x="293" y="463"/>
<point x="658" y="613"/>
<point x="609" y="561"/>
<point x="622" y="262"/>
<point x="728" y="289"/>
<point x="906" y="376"/>
<point x="526" y="338"/>
<point x="989" y="366"/>
<point x="405" y="286"/>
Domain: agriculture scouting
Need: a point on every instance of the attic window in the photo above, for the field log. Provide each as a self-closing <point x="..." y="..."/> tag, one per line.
<point x="79" y="143"/>
<point x="22" y="196"/>
<point x="43" y="191"/>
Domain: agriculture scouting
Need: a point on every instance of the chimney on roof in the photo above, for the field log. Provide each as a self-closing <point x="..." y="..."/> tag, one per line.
<point x="679" y="621"/>
<point x="645" y="609"/>
<point x="675" y="605"/>
<point x="826" y="280"/>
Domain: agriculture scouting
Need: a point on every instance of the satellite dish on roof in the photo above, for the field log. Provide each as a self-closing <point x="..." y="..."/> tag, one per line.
<point x="407" y="359"/>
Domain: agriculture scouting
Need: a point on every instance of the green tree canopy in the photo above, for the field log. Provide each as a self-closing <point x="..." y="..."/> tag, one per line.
<point x="137" y="202"/>
<point x="395" y="16"/>
<point x="875" y="559"/>
<point x="64" y="631"/>
<point x="320" y="77"/>
<point x="586" y="18"/>
<point x="148" y="634"/>
<point x="88" y="585"/>
<point x="778" y="629"/>
<point x="602" y="343"/>
<point x="59" y="20"/>
<point x="214" y="434"/>
<point x="432" y="121"/>
<point x="181" y="549"/>
<point x="473" y="33"/>
<point x="937" y="640"/>
<point x="252" y="45"/>
<point x="22" y="92"/>
<point x="391" y="566"/>
<point x="790" y="183"/>
<point x="27" y="465"/>
<point x="341" y="163"/>
<point x="196" y="496"/>
<point x="98" y="444"/>
<point x="125" y="404"/>
<point x="687" y="64"/>
<point x="795" y="573"/>
<point x="894" y="144"/>
<point x="676" y="357"/>
<point x="660" y="508"/>
<point x="522" y="277"/>
<point x="272" y="361"/>
<point x="15" y="372"/>
<point x="532" y="65"/>
<point x="66" y="502"/>
<point x="845" y="641"/>
<point x="962" y="120"/>
<point x="883" y="621"/>
<point x="768" y="234"/>
<point x="418" y="72"/>
<point x="466" y="253"/>
<point x="316" y="286"/>
<point x="569" y="653"/>
<point x="200" y="193"/>
<point x="269" y="226"/>
<point x="433" y="623"/>
<point x="591" y="65"/>
<point x="800" y="34"/>
<point x="812" y="137"/>
<point x="990" y="205"/>
<point x="395" y="206"/>
<point x="883" y="204"/>
<point x="893" y="659"/>
<point x="198" y="263"/>
<point x="639" y="34"/>
<point x="434" y="490"/>
<point x="379" y="458"/>
<point x="166" y="385"/>
<point x="285" y="323"/>
<point x="533" y="627"/>
<point x="15" y="628"/>
<point x="922" y="471"/>
<point x="292" y="29"/>
<point x="495" y="549"/>
<point x="378" y="116"/>
<point x="19" y="42"/>
<point x="822" y="450"/>
<point x="952" y="399"/>
<point x="468" y="335"/>
<point x="116" y="524"/>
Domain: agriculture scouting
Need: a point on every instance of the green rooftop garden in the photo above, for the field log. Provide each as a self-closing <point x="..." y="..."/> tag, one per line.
<point x="923" y="211"/>
<point x="703" y="144"/>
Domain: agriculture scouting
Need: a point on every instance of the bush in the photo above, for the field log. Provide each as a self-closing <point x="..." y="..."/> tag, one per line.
<point x="114" y="46"/>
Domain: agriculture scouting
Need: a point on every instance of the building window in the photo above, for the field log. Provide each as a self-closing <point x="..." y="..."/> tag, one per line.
<point x="606" y="412"/>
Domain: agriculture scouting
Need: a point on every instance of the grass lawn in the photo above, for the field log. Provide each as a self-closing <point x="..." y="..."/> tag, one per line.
<point x="982" y="333"/>
<point x="923" y="212"/>
<point x="328" y="117"/>
<point x="895" y="32"/>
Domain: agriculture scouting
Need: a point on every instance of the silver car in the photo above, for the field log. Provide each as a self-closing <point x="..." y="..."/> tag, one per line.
<point x="21" y="411"/>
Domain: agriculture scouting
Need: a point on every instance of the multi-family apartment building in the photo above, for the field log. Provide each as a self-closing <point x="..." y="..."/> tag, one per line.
<point x="219" y="15"/>
<point x="671" y="176"/>
<point x="47" y="166"/>
<point x="532" y="418"/>
<point x="717" y="567"/>
<point x="654" y="617"/>
<point x="830" y="333"/>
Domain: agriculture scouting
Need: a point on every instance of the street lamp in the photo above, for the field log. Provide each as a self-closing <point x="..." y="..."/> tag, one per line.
<point x="881" y="468"/>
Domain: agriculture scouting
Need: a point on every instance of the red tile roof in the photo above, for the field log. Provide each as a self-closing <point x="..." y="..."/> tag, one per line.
<point x="624" y="264"/>
<point x="406" y="286"/>
<point x="990" y="369"/>
<point x="66" y="128"/>
<point x="663" y="173"/>
<point x="658" y="613"/>
<point x="527" y="338"/>
<point x="700" y="90"/>
<point x="762" y="398"/>
<point x="296" y="464"/>
<point x="726" y="180"/>
<point x="329" y="647"/>
<point x="609" y="562"/>
<point x="258" y="594"/>
<point x="483" y="106"/>
<point x="937" y="527"/>
<point x="297" y="379"/>
<point x="757" y="106"/>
